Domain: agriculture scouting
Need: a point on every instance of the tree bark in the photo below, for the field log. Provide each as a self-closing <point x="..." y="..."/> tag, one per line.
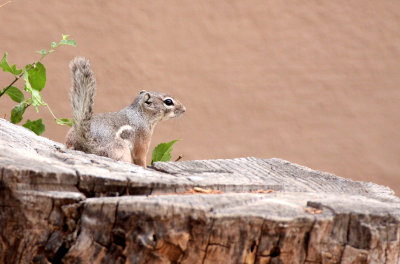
<point x="64" y="206"/>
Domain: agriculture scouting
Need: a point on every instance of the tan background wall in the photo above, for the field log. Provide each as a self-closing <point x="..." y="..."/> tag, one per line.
<point x="313" y="82"/>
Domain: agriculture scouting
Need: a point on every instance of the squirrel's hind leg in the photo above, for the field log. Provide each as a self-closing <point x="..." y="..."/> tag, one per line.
<point x="120" y="150"/>
<point x="72" y="143"/>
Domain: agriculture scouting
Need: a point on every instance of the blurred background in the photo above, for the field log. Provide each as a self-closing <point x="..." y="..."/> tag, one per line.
<point x="313" y="82"/>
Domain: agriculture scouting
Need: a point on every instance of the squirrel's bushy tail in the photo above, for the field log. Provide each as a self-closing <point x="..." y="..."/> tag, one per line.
<point x="82" y="97"/>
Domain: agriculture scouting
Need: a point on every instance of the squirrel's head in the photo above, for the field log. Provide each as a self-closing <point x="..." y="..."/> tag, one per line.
<point x="159" y="106"/>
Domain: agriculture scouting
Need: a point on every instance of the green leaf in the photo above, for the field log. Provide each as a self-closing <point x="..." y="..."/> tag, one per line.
<point x="6" y="67"/>
<point x="68" y="42"/>
<point x="162" y="152"/>
<point x="15" y="94"/>
<point x="36" y="126"/>
<point x="28" y="86"/>
<point x="43" y="52"/>
<point x="36" y="99"/>
<point x="17" y="112"/>
<point x="65" y="37"/>
<point x="4" y="63"/>
<point x="37" y="76"/>
<point x="64" y="121"/>
<point x="53" y="45"/>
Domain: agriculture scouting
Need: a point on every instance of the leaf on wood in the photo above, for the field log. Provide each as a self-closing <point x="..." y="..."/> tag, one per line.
<point x="312" y="210"/>
<point x="162" y="152"/>
<point x="262" y="191"/>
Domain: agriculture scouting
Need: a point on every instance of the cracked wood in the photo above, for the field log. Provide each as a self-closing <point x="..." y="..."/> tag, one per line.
<point x="63" y="206"/>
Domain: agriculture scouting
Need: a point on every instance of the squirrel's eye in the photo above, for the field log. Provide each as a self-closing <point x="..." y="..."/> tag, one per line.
<point x="168" y="102"/>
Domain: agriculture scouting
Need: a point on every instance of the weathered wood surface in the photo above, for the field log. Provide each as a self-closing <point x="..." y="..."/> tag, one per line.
<point x="63" y="206"/>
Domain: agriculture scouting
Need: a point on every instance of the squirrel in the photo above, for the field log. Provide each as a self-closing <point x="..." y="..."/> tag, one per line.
<point x="123" y="135"/>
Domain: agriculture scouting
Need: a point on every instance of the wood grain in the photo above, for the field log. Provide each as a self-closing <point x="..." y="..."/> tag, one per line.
<point x="63" y="206"/>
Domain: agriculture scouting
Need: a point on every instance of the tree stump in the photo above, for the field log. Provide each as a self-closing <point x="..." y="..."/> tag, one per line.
<point x="64" y="206"/>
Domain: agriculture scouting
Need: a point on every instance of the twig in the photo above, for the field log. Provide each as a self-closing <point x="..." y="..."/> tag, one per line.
<point x="17" y="78"/>
<point x="5" y="4"/>
<point x="179" y="158"/>
<point x="5" y="89"/>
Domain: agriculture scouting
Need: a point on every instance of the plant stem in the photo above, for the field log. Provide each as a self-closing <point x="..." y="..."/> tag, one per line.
<point x="8" y="87"/>
<point x="51" y="112"/>
<point x="5" y="4"/>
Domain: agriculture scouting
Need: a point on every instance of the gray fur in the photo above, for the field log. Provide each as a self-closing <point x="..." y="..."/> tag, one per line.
<point x="123" y="135"/>
<point x="82" y="98"/>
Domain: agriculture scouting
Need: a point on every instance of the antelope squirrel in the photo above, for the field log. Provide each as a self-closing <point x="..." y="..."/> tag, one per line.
<point x="123" y="135"/>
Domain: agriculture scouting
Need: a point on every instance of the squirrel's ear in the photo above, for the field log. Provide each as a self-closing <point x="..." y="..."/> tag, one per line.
<point x="142" y="91"/>
<point x="146" y="97"/>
